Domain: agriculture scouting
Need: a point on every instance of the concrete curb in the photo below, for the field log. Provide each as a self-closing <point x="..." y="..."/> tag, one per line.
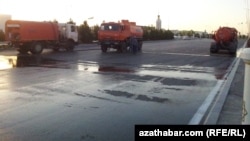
<point x="209" y="111"/>
<point x="216" y="108"/>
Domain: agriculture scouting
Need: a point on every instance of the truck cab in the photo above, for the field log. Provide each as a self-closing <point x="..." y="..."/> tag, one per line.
<point x="68" y="32"/>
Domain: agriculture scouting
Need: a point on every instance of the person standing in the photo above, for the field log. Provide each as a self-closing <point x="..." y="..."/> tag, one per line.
<point x="134" y="44"/>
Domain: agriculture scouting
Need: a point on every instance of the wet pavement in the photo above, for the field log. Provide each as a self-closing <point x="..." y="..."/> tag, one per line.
<point x="88" y="95"/>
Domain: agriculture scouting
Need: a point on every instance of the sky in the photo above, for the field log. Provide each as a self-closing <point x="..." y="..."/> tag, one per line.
<point x="197" y="15"/>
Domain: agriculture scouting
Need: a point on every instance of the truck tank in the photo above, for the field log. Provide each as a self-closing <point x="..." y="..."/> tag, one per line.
<point x="34" y="36"/>
<point x="24" y="31"/>
<point x="225" y="38"/>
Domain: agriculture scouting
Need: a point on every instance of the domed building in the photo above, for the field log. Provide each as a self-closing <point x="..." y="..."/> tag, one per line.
<point x="158" y="23"/>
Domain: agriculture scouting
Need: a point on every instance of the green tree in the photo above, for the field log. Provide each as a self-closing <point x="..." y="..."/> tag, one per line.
<point x="151" y="33"/>
<point x="190" y="33"/>
<point x="147" y="35"/>
<point x="95" y="32"/>
<point x="85" y="35"/>
<point x="197" y="35"/>
<point x="169" y="35"/>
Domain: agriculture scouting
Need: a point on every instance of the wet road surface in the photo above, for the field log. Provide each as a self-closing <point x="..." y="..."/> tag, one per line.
<point x="89" y="95"/>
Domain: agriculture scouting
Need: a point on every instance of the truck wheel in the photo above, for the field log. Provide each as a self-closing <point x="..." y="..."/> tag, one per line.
<point x="56" y="48"/>
<point x="36" y="48"/>
<point x="23" y="50"/>
<point x="104" y="49"/>
<point x="233" y="48"/>
<point x="70" y="45"/>
<point x="123" y="47"/>
<point x="213" y="48"/>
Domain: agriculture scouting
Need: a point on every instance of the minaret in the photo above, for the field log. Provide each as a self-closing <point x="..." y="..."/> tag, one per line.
<point x="158" y="23"/>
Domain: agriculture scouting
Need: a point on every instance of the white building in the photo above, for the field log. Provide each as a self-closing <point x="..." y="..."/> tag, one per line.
<point x="3" y="19"/>
<point x="158" y="23"/>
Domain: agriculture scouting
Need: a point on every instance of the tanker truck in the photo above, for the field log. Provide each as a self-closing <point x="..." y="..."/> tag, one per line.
<point x="225" y="38"/>
<point x="34" y="36"/>
<point x="117" y="35"/>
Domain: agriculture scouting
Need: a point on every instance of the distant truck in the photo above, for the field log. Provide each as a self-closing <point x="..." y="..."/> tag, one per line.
<point x="116" y="35"/>
<point x="34" y="36"/>
<point x="225" y="38"/>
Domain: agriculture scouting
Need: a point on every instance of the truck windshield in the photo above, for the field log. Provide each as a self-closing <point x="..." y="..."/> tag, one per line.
<point x="112" y="27"/>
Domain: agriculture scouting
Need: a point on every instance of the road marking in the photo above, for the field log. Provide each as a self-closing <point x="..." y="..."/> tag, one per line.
<point x="182" y="54"/>
<point x="198" y="116"/>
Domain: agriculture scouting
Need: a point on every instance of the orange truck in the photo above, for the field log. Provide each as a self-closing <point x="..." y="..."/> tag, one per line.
<point x="116" y="35"/>
<point x="225" y="38"/>
<point x="33" y="36"/>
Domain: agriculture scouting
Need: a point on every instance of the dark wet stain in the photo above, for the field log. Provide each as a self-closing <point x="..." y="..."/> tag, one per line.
<point x="68" y="105"/>
<point x="87" y="137"/>
<point x="160" y="90"/>
<point x="28" y="60"/>
<point x="153" y="99"/>
<point x="220" y="73"/>
<point x="219" y="76"/>
<point x="114" y="69"/>
<point x="82" y="95"/>
<point x="158" y="79"/>
<point x="97" y="97"/>
<point x="24" y="60"/>
<point x="119" y="93"/>
<point x="129" y="76"/>
<point x="176" y="89"/>
<point x="179" y="82"/>
<point x="136" y="97"/>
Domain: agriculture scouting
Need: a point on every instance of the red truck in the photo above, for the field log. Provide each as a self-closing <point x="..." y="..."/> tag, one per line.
<point x="225" y="38"/>
<point x="117" y="35"/>
<point x="34" y="36"/>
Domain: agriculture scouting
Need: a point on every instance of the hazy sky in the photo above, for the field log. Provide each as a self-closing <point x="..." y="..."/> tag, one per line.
<point x="197" y="15"/>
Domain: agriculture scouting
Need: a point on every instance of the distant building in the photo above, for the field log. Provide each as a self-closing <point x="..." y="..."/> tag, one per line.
<point x="3" y="19"/>
<point x="158" y="23"/>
